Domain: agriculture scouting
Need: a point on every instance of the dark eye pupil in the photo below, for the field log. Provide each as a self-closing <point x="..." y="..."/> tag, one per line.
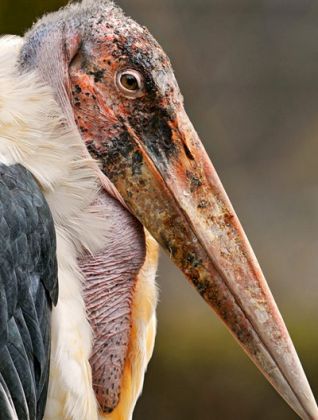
<point x="129" y="82"/>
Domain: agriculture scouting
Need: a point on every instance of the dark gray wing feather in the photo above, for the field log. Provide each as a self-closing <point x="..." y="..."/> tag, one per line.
<point x="28" y="287"/>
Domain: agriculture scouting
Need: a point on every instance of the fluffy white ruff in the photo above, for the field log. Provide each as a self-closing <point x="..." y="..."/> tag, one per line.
<point x="34" y="133"/>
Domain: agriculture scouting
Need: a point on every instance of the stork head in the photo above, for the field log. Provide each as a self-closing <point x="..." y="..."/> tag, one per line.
<point x="115" y="81"/>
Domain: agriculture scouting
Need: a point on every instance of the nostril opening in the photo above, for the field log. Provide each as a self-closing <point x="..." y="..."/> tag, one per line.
<point x="187" y="151"/>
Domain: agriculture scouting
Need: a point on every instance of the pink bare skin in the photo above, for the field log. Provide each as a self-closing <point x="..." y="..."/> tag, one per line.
<point x="109" y="289"/>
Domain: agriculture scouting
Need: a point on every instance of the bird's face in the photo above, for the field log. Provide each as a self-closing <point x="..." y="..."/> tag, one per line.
<point x="122" y="87"/>
<point x="129" y="110"/>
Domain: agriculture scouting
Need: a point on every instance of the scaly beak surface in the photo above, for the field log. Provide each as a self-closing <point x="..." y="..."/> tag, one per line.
<point x="167" y="180"/>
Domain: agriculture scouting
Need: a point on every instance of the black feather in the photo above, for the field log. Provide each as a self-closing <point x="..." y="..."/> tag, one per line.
<point x="28" y="288"/>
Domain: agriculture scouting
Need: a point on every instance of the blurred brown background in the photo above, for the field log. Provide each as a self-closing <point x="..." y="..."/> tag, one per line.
<point x="248" y="70"/>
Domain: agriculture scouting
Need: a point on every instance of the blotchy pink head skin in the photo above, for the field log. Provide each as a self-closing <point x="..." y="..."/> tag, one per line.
<point x="149" y="150"/>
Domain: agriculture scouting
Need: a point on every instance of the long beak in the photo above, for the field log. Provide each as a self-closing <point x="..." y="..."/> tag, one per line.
<point x="167" y="180"/>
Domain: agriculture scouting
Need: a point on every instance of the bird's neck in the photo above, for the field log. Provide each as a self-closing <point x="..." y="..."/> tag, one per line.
<point x="110" y="281"/>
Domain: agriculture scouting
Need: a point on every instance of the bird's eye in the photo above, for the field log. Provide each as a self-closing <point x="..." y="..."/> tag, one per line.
<point x="130" y="83"/>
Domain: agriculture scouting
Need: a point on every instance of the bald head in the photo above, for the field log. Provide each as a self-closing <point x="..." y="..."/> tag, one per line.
<point x="93" y="31"/>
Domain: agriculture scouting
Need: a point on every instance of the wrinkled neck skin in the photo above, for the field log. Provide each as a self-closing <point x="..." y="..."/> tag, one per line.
<point x="111" y="274"/>
<point x="108" y="292"/>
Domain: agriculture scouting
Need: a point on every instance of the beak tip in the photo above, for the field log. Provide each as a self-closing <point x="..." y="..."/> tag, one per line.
<point x="304" y="404"/>
<point x="311" y="407"/>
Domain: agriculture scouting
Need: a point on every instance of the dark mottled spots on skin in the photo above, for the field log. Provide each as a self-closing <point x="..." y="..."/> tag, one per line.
<point x="116" y="53"/>
<point x="108" y="410"/>
<point x="157" y="135"/>
<point x="98" y="75"/>
<point x="92" y="150"/>
<point x="77" y="89"/>
<point x="120" y="146"/>
<point x="195" y="182"/>
<point x="137" y="161"/>
<point x="228" y="219"/>
<point x="115" y="154"/>
<point x="193" y="260"/>
<point x="203" y="204"/>
<point x="200" y="285"/>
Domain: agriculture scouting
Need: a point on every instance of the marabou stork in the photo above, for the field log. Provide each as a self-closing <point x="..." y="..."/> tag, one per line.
<point x="98" y="157"/>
